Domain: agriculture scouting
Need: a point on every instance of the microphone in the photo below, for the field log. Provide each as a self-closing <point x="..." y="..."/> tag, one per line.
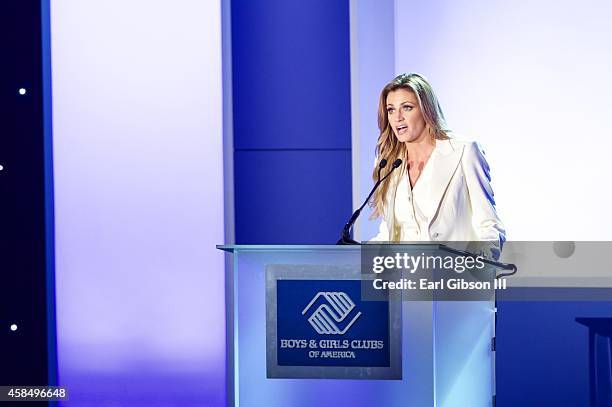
<point x="381" y="165"/>
<point x="346" y="231"/>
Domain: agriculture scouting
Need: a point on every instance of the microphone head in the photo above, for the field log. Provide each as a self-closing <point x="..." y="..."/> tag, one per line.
<point x="397" y="163"/>
<point x="382" y="163"/>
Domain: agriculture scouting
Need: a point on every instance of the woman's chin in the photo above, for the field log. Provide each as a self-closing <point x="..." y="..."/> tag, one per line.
<point x="404" y="138"/>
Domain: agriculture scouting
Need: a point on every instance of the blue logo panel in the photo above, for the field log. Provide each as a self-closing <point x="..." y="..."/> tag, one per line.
<point x="325" y="323"/>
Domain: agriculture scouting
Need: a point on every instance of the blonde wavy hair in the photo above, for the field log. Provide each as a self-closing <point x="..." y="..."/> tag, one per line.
<point x="387" y="146"/>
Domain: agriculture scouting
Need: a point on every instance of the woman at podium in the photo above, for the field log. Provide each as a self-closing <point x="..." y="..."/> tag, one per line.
<point x="442" y="189"/>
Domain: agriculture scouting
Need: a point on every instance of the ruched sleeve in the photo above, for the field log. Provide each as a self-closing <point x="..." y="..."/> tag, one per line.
<point x="485" y="220"/>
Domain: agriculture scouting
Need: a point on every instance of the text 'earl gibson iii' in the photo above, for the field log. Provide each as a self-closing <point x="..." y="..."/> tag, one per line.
<point x="443" y="284"/>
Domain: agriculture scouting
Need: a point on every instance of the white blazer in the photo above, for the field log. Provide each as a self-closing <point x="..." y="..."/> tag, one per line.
<point x="458" y="203"/>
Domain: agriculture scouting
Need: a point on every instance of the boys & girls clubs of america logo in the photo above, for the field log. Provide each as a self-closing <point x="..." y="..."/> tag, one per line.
<point x="334" y="313"/>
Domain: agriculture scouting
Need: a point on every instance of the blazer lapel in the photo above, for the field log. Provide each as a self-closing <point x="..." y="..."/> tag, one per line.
<point x="446" y="161"/>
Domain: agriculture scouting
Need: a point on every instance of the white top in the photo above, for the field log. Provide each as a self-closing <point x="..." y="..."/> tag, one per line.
<point x="452" y="200"/>
<point x="412" y="224"/>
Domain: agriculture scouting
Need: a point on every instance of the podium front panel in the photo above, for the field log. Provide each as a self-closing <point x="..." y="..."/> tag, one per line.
<point x="444" y="347"/>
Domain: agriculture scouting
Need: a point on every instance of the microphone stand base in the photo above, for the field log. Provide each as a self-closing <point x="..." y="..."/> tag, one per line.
<point x="346" y="240"/>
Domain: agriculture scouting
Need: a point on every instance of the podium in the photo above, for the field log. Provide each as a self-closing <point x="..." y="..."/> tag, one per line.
<point x="300" y="335"/>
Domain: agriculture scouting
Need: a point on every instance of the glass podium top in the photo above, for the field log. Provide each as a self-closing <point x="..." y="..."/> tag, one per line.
<point x="330" y="247"/>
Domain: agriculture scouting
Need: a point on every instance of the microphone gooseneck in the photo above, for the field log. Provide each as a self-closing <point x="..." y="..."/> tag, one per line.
<point x="346" y="231"/>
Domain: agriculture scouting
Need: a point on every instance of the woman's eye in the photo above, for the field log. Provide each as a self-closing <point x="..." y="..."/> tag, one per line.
<point x="389" y="111"/>
<point x="407" y="108"/>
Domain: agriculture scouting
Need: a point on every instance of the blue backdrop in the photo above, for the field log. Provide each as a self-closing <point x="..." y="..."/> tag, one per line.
<point x="291" y="112"/>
